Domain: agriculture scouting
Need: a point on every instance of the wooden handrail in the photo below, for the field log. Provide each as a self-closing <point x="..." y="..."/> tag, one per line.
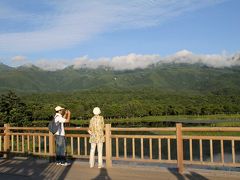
<point x="129" y="144"/>
<point x="143" y="129"/>
<point x="211" y="129"/>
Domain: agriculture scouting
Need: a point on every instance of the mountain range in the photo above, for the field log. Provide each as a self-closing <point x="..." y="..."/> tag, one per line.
<point x="168" y="77"/>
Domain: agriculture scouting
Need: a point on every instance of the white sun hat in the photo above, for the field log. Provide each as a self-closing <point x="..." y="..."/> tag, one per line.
<point x="96" y="111"/>
<point x="58" y="108"/>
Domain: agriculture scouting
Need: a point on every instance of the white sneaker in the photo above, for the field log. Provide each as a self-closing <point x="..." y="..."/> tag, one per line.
<point x="65" y="164"/>
<point x="58" y="163"/>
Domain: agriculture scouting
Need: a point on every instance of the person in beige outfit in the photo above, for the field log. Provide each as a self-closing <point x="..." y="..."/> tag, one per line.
<point x="96" y="131"/>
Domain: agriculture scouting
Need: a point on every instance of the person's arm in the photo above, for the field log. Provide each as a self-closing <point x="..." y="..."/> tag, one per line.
<point x="67" y="116"/>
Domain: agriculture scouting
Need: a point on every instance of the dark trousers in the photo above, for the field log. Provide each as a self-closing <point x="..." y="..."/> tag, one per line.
<point x="60" y="148"/>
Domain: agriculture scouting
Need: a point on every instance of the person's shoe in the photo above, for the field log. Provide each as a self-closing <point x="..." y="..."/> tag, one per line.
<point x="99" y="167"/>
<point x="58" y="163"/>
<point x="65" y="164"/>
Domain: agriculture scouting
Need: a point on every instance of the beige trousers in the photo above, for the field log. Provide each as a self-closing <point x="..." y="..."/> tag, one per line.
<point x="92" y="154"/>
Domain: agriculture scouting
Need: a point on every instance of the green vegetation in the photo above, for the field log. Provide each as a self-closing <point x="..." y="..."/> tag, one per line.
<point x="161" y="93"/>
<point x="177" y="78"/>
<point x="136" y="108"/>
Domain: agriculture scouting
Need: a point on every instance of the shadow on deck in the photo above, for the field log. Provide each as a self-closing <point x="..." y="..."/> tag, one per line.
<point x="16" y="169"/>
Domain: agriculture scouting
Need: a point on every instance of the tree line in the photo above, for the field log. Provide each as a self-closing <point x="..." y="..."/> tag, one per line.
<point x="22" y="109"/>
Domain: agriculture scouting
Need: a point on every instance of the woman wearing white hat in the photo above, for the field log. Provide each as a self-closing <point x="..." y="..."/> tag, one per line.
<point x="96" y="128"/>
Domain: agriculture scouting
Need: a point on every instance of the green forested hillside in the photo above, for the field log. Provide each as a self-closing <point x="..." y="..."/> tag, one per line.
<point x="195" y="78"/>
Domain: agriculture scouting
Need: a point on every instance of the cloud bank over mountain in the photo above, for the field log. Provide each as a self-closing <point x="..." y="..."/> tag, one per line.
<point x="133" y="61"/>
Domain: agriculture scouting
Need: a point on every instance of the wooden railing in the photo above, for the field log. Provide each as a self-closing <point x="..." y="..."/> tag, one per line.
<point x="155" y="145"/>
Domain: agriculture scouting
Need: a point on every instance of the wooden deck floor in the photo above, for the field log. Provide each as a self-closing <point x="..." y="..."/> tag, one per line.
<point x="21" y="169"/>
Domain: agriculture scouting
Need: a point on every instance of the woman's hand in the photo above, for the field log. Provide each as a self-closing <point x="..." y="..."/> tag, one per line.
<point x="90" y="132"/>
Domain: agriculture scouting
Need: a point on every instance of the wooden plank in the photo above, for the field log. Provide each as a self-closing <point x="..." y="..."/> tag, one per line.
<point x="142" y="153"/>
<point x="206" y="163"/>
<point x="143" y="129"/>
<point x="213" y="137"/>
<point x="169" y="149"/>
<point x="201" y="150"/>
<point x="71" y="145"/>
<point x="45" y="144"/>
<point x="28" y="134"/>
<point x="23" y="143"/>
<point x="133" y="148"/>
<point x="85" y="146"/>
<point x="28" y="143"/>
<point x="39" y="144"/>
<point x="146" y="160"/>
<point x="190" y="149"/>
<point x="179" y="148"/>
<point x="78" y="145"/>
<point x="222" y="151"/>
<point x="12" y="143"/>
<point x="150" y="148"/>
<point x="17" y="143"/>
<point x="211" y="129"/>
<point x="108" y="145"/>
<point x="34" y="145"/>
<point x="233" y="152"/>
<point x="145" y="136"/>
<point x="125" y="148"/>
<point x="159" y="149"/>
<point x="211" y="150"/>
<point x="117" y="148"/>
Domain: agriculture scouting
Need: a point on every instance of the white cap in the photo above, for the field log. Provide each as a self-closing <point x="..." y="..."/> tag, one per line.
<point x="58" y="108"/>
<point x="96" y="111"/>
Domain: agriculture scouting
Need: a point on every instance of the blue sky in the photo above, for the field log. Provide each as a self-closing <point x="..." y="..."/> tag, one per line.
<point x="63" y="32"/>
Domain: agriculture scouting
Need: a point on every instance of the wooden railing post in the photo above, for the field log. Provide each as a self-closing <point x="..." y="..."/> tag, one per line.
<point x="179" y="148"/>
<point x="108" y="146"/>
<point x="51" y="147"/>
<point x="6" y="145"/>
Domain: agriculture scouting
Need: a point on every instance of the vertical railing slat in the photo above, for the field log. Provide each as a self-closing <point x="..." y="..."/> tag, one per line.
<point x="150" y="148"/>
<point x="33" y="144"/>
<point x="159" y="149"/>
<point x="133" y="148"/>
<point x="190" y="150"/>
<point x="201" y="151"/>
<point x="39" y="144"/>
<point x="179" y="148"/>
<point x="125" y="148"/>
<point x="142" y="153"/>
<point x="211" y="150"/>
<point x="45" y="145"/>
<point x="17" y="143"/>
<point x="23" y="143"/>
<point x="71" y="145"/>
<point x="169" y="149"/>
<point x="233" y="152"/>
<point x="85" y="146"/>
<point x="117" y="149"/>
<point x="28" y="144"/>
<point x="222" y="151"/>
<point x="78" y="145"/>
<point x="12" y="143"/>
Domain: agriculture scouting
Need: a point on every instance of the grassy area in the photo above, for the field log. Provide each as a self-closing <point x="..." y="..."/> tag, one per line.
<point x="163" y="121"/>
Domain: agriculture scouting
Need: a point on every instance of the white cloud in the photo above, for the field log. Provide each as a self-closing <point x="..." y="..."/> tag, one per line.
<point x="211" y="60"/>
<point x="133" y="61"/>
<point x="51" y="65"/>
<point x="19" y="60"/>
<point x="73" y="22"/>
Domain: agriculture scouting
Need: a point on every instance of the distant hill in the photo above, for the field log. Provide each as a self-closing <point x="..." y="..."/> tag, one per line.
<point x="196" y="78"/>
